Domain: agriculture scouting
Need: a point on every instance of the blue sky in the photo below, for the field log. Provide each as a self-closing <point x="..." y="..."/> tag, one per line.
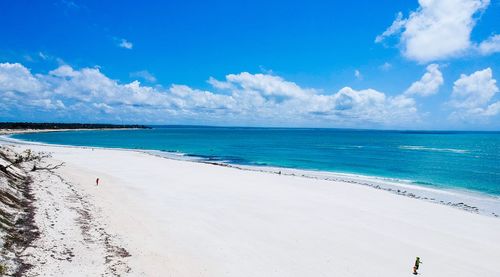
<point x="253" y="63"/>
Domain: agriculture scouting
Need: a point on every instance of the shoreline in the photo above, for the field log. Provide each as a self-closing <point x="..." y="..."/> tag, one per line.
<point x="7" y="132"/>
<point x="151" y="214"/>
<point x="467" y="200"/>
<point x="453" y="197"/>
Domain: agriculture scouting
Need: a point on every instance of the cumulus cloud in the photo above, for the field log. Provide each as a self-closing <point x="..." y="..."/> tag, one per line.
<point x="16" y="77"/>
<point x="429" y="83"/>
<point x="260" y="99"/>
<point x="372" y="106"/>
<point x="437" y="30"/>
<point x="145" y="75"/>
<point x="125" y="44"/>
<point x="63" y="71"/>
<point x="272" y="88"/>
<point x="490" y="46"/>
<point x="473" y="95"/>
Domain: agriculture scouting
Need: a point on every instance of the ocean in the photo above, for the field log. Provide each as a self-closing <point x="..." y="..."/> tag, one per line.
<point x="437" y="159"/>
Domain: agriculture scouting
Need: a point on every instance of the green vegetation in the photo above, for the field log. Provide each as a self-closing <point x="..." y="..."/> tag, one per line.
<point x="55" y="126"/>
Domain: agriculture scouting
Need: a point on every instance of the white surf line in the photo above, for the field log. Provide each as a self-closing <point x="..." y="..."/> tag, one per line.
<point x="467" y="200"/>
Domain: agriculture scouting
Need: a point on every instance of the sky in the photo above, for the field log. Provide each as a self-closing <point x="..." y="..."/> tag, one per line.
<point x="428" y="64"/>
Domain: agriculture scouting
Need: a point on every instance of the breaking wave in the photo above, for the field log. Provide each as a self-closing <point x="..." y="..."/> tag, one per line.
<point x="423" y="148"/>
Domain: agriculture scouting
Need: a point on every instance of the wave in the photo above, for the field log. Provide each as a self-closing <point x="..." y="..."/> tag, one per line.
<point x="471" y="201"/>
<point x="423" y="148"/>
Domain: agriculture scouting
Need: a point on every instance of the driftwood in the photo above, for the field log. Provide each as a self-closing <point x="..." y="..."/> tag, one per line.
<point x="49" y="167"/>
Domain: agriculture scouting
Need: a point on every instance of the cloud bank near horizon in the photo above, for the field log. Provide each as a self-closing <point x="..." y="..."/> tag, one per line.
<point x="240" y="99"/>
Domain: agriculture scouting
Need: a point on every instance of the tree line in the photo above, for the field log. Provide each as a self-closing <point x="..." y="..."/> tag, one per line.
<point x="55" y="126"/>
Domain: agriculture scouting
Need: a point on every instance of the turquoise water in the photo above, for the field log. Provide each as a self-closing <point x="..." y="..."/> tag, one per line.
<point x="464" y="160"/>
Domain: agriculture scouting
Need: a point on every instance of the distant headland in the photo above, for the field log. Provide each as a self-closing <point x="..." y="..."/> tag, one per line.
<point x="23" y="127"/>
<point x="55" y="126"/>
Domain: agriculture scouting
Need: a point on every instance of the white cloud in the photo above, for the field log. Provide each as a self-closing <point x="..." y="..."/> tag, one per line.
<point x="244" y="98"/>
<point x="125" y="44"/>
<point x="43" y="56"/>
<point x="437" y="30"/>
<point x="14" y="77"/>
<point x="473" y="94"/>
<point x="386" y="66"/>
<point x="47" y="57"/>
<point x="219" y="84"/>
<point x="490" y="46"/>
<point x="369" y="105"/>
<point x="145" y="75"/>
<point x="64" y="71"/>
<point x="429" y="83"/>
<point x="103" y="107"/>
<point x="395" y="28"/>
<point x="47" y="104"/>
<point x="269" y="86"/>
<point x="358" y="75"/>
<point x="492" y="109"/>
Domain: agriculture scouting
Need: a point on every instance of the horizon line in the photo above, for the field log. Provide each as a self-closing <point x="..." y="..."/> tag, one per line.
<point x="262" y="127"/>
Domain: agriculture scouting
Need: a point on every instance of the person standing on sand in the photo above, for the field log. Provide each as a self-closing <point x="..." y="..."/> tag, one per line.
<point x="97" y="181"/>
<point x="415" y="268"/>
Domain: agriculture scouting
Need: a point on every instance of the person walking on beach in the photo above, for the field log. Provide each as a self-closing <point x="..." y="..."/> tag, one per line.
<point x="97" y="181"/>
<point x="415" y="268"/>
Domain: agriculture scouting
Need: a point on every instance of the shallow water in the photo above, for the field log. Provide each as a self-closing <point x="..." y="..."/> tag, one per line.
<point x="452" y="160"/>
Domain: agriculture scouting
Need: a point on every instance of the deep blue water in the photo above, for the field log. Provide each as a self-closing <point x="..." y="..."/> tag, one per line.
<point x="467" y="160"/>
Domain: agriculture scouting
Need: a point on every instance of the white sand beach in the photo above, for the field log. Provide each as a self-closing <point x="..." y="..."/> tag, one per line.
<point x="166" y="217"/>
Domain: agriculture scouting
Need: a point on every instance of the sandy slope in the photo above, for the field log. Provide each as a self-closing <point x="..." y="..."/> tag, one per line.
<point x="179" y="218"/>
<point x="73" y="239"/>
